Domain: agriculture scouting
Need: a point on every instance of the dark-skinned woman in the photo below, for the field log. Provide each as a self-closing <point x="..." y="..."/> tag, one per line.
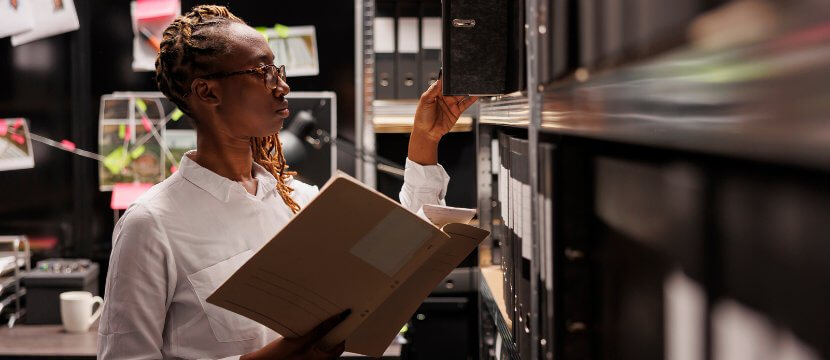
<point x="184" y="237"/>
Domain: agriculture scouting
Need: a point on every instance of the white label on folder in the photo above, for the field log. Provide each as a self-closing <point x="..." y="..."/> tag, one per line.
<point x="511" y="207"/>
<point x="543" y="245"/>
<point x="684" y="315"/>
<point x="431" y="33"/>
<point x="503" y="192"/>
<point x="384" y="31"/>
<point x="515" y="192"/>
<point x="526" y="224"/>
<point x="498" y="345"/>
<point x="390" y="253"/>
<point x="548" y="226"/>
<point x="494" y="157"/>
<point x="408" y="35"/>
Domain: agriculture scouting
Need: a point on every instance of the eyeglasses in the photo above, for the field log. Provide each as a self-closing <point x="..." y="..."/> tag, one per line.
<point x="270" y="74"/>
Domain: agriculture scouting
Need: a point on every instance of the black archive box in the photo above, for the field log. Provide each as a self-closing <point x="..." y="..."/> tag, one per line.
<point x="483" y="47"/>
<point x="44" y="286"/>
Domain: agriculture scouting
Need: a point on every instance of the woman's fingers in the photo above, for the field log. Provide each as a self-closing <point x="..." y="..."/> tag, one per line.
<point x="467" y="102"/>
<point x="432" y="93"/>
<point x="446" y="108"/>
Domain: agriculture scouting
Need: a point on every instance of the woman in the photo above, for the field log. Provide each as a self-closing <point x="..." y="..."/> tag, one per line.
<point x="184" y="237"/>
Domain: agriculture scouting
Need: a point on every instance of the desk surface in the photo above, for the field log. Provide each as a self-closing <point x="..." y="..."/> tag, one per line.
<point x="47" y="340"/>
<point x="52" y="340"/>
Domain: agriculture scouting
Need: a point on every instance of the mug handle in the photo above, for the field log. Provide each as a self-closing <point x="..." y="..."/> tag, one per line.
<point x="96" y="300"/>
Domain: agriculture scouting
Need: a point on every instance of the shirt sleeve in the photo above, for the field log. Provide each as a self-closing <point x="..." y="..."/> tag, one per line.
<point x="140" y="284"/>
<point x="423" y="184"/>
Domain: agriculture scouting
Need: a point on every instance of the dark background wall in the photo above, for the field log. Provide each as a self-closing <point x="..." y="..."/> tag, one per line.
<point x="57" y="83"/>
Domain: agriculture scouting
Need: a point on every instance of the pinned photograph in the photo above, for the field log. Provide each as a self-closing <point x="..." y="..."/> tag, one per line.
<point x="15" y="17"/>
<point x="15" y="145"/>
<point x="50" y="18"/>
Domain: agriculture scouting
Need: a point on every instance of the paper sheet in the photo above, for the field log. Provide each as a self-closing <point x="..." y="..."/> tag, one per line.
<point x="125" y="194"/>
<point x="151" y="9"/>
<point x="442" y="215"/>
<point x="153" y="16"/>
<point x="15" y="20"/>
<point x="51" y="17"/>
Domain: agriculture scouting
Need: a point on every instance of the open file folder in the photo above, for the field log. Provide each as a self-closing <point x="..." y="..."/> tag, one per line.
<point x="349" y="248"/>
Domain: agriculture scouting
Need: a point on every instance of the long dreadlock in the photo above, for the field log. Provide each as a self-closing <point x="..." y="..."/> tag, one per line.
<point x="191" y="45"/>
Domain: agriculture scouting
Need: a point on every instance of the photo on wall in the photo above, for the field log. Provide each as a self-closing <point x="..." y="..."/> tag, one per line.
<point x="131" y="154"/>
<point x="15" y="145"/>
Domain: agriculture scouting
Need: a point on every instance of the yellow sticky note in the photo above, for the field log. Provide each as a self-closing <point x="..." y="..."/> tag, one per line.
<point x="117" y="160"/>
<point x="282" y="30"/>
<point x="137" y="152"/>
<point x="122" y="131"/>
<point x="176" y="115"/>
<point x="141" y="105"/>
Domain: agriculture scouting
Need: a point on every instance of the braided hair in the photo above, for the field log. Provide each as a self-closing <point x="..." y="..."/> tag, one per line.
<point x="191" y="45"/>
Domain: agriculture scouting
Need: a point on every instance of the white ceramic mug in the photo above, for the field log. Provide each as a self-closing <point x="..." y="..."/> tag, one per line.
<point x="76" y="310"/>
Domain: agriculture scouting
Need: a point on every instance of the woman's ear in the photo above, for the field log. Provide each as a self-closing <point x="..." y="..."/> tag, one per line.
<point x="206" y="91"/>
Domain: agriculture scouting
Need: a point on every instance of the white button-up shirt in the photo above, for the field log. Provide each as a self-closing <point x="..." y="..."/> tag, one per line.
<point x="182" y="239"/>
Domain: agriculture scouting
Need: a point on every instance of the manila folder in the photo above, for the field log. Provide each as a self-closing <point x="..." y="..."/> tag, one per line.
<point x="349" y="248"/>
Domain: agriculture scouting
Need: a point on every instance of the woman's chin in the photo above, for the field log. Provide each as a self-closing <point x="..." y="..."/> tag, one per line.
<point x="274" y="127"/>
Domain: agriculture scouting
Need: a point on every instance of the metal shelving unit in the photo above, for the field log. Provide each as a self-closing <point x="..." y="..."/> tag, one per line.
<point x="365" y="90"/>
<point x="705" y="106"/>
<point x="11" y="291"/>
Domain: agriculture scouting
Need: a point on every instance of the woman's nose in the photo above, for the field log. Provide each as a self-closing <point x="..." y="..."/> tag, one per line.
<point x="282" y="88"/>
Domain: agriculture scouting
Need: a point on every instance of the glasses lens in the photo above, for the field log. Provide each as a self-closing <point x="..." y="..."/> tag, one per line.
<point x="281" y="71"/>
<point x="271" y="77"/>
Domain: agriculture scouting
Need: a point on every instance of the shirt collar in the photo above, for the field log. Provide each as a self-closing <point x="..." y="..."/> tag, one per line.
<point x="219" y="186"/>
<point x="266" y="180"/>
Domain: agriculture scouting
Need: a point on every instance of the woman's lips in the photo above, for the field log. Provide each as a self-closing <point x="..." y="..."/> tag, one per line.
<point x="283" y="112"/>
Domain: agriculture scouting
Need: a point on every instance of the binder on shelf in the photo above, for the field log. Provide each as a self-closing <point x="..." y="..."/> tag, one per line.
<point x="562" y="50"/>
<point x="430" y="43"/>
<point x="408" y="51"/>
<point x="516" y="260"/>
<point x="497" y="242"/>
<point x="588" y="35"/>
<point x="384" y="47"/>
<point x="516" y="50"/>
<point x="545" y="289"/>
<point x="524" y="247"/>
<point x="483" y="47"/>
<point x="611" y="15"/>
<point x="508" y="248"/>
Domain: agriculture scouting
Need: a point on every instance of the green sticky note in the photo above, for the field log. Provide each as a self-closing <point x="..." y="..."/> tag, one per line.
<point x="262" y="30"/>
<point x="282" y="30"/>
<point x="141" y="105"/>
<point x="122" y="131"/>
<point x="176" y="115"/>
<point x="117" y="160"/>
<point x="137" y="152"/>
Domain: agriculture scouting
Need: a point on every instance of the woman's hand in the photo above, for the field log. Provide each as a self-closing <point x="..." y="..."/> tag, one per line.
<point x="307" y="346"/>
<point x="435" y="116"/>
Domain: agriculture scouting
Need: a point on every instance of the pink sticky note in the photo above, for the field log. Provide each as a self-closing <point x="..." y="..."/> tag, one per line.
<point x="68" y="145"/>
<point x="18" y="139"/>
<point x="146" y="123"/>
<point x="149" y="9"/>
<point x="126" y="133"/>
<point x="124" y="194"/>
<point x="17" y="123"/>
<point x="173" y="169"/>
<point x="4" y="127"/>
